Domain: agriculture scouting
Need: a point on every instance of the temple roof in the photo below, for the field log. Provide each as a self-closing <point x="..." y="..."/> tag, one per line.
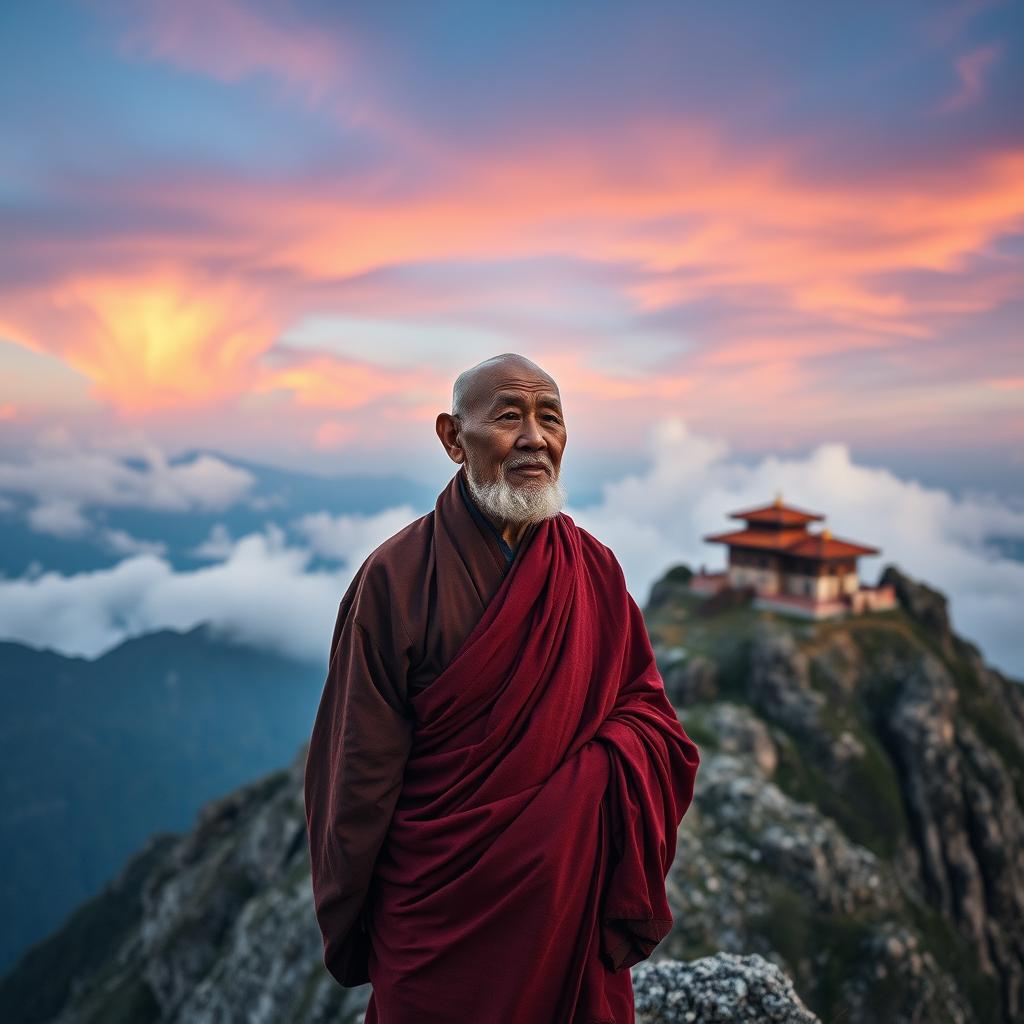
<point x="777" y="514"/>
<point x="821" y="546"/>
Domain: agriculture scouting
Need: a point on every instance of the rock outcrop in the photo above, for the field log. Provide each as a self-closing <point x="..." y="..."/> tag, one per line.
<point x="859" y="814"/>
<point x="717" y="989"/>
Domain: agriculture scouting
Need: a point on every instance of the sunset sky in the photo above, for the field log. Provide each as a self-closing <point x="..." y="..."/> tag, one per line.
<point x="281" y="230"/>
<point x="761" y="247"/>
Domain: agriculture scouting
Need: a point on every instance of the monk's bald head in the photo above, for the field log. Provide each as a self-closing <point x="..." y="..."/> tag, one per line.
<point x="475" y="385"/>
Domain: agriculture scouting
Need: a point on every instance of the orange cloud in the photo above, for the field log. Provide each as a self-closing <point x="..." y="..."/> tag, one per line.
<point x="775" y="348"/>
<point x="333" y="434"/>
<point x="691" y="221"/>
<point x="571" y="371"/>
<point x="149" y="341"/>
<point x="332" y="383"/>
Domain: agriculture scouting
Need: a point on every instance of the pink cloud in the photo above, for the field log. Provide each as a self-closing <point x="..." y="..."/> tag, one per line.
<point x="332" y="434"/>
<point x="971" y="69"/>
<point x="231" y="40"/>
<point x="328" y="382"/>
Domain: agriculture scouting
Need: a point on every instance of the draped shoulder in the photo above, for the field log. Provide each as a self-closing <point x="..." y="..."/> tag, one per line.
<point x="599" y="557"/>
<point x="385" y="596"/>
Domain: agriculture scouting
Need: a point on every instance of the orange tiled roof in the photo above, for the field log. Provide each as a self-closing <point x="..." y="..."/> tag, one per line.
<point x="770" y="540"/>
<point x="777" y="515"/>
<point x="815" y="546"/>
<point x="793" y="542"/>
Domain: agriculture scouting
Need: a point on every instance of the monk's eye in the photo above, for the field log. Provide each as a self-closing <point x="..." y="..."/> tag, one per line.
<point x="513" y="414"/>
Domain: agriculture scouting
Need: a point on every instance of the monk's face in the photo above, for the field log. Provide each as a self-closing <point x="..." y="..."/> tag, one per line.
<point x="514" y="430"/>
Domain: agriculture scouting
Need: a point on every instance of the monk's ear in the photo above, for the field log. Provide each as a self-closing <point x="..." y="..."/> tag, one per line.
<point x="448" y="428"/>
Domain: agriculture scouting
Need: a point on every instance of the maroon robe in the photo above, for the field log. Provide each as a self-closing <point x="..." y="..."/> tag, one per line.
<point x="493" y="784"/>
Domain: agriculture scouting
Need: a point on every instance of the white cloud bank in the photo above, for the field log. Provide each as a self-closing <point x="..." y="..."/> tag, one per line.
<point x="262" y="593"/>
<point x="262" y="589"/>
<point x="338" y="537"/>
<point x="64" y="483"/>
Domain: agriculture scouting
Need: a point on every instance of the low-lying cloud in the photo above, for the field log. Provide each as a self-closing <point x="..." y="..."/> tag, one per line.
<point x="266" y="590"/>
<point x="64" y="484"/>
<point x="262" y="592"/>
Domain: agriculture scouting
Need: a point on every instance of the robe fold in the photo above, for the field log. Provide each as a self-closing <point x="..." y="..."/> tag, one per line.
<point x="493" y="785"/>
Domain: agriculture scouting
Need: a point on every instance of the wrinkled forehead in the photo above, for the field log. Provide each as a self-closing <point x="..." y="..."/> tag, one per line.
<point x="523" y="382"/>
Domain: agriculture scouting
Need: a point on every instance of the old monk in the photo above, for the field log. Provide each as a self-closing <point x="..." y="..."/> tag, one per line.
<point x="495" y="775"/>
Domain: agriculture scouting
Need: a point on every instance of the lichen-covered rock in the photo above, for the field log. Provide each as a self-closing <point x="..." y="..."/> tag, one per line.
<point x="779" y="685"/>
<point x="967" y="822"/>
<point x="749" y="855"/>
<point x="690" y="680"/>
<point x="898" y="980"/>
<point x="719" y="989"/>
<point x="927" y="606"/>
<point x="740" y="732"/>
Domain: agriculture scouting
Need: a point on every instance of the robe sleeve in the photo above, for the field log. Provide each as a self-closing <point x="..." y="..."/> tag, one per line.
<point x="653" y="769"/>
<point x="358" y="749"/>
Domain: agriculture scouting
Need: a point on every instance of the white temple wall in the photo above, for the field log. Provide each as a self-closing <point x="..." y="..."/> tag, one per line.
<point x="798" y="585"/>
<point x="815" y="588"/>
<point x="764" y="581"/>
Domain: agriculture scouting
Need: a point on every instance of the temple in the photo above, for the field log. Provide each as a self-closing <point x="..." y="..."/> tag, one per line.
<point x="790" y="569"/>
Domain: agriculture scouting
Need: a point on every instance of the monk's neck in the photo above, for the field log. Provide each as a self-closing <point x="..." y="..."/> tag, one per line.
<point x="512" y="533"/>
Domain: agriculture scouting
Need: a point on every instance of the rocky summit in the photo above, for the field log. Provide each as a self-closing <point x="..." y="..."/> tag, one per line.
<point x="854" y="852"/>
<point x="858" y="818"/>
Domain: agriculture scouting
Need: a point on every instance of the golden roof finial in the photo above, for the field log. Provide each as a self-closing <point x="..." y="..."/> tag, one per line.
<point x="778" y="499"/>
<point x="826" y="534"/>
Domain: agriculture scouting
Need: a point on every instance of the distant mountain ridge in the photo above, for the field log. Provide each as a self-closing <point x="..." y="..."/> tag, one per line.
<point x="97" y="755"/>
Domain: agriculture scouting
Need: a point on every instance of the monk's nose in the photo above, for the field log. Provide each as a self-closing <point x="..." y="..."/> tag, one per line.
<point x="532" y="436"/>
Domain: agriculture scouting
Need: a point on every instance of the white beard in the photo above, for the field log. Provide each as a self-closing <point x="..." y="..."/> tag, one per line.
<point x="528" y="503"/>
